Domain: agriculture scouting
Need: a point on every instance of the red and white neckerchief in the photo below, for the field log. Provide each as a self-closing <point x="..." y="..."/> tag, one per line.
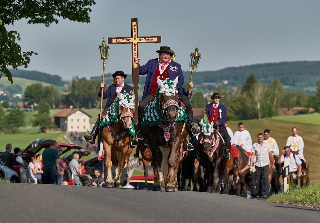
<point x="215" y="105"/>
<point x="163" y="66"/>
<point x="119" y="88"/>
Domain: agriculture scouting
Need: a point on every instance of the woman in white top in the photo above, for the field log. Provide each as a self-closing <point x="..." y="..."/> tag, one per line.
<point x="33" y="169"/>
<point x="39" y="167"/>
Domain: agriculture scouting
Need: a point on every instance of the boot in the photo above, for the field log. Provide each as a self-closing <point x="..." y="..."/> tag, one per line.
<point x="92" y="137"/>
<point x="236" y="161"/>
<point x="136" y="155"/>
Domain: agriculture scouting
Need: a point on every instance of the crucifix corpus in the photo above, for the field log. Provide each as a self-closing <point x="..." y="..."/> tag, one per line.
<point x="134" y="40"/>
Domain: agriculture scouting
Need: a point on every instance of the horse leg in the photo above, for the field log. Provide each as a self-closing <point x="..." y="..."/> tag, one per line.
<point x="145" y="167"/>
<point x="196" y="167"/>
<point x="156" y="178"/>
<point x="216" y="182"/>
<point x="173" y="162"/>
<point x="108" y="163"/>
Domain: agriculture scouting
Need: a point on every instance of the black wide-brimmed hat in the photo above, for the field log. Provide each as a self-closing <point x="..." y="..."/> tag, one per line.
<point x="216" y="94"/>
<point x="119" y="73"/>
<point x="166" y="49"/>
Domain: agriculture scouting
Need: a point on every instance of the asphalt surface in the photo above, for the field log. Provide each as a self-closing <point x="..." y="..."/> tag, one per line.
<point x="51" y="203"/>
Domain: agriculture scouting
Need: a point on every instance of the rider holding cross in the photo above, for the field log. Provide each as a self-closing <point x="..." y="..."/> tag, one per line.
<point x="162" y="68"/>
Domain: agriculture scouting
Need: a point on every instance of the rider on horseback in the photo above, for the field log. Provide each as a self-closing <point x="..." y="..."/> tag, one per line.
<point x="217" y="114"/>
<point x="111" y="93"/>
<point x="162" y="68"/>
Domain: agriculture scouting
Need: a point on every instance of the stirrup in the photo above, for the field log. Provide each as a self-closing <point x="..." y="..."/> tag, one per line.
<point x="133" y="143"/>
<point x="190" y="147"/>
<point x="227" y="155"/>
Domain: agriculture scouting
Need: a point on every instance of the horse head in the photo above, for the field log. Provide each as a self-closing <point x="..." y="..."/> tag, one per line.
<point x="207" y="138"/>
<point x="126" y="109"/>
<point x="168" y="98"/>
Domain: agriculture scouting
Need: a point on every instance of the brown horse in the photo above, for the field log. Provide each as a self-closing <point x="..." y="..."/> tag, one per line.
<point x="168" y="135"/>
<point x="304" y="180"/>
<point x="116" y="143"/>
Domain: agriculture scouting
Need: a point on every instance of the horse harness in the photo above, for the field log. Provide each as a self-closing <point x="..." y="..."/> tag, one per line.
<point x="166" y="131"/>
<point x="214" y="146"/>
<point x="116" y="137"/>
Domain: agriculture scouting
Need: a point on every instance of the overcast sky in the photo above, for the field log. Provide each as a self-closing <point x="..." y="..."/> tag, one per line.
<point x="227" y="33"/>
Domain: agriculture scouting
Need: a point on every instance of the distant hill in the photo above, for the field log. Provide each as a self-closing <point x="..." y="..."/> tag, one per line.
<point x="295" y="76"/>
<point x="38" y="76"/>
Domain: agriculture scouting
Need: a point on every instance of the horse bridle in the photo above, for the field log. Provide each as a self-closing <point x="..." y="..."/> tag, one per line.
<point x="210" y="140"/>
<point x="128" y="113"/>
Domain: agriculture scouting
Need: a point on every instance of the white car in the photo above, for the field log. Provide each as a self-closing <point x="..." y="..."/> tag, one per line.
<point x="9" y="174"/>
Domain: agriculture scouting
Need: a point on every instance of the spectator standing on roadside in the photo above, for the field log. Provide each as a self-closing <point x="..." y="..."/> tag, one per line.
<point x="6" y="157"/>
<point x="39" y="166"/>
<point x="50" y="163"/>
<point x="62" y="167"/>
<point x="33" y="168"/>
<point x="75" y="169"/>
<point x="18" y="165"/>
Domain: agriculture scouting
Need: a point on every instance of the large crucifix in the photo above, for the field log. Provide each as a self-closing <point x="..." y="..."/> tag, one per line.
<point x="134" y="40"/>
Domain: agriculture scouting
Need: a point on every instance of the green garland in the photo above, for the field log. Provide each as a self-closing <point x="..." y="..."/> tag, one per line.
<point x="112" y="116"/>
<point x="152" y="114"/>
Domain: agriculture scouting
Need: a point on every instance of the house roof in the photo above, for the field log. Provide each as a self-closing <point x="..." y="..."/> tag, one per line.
<point x="68" y="111"/>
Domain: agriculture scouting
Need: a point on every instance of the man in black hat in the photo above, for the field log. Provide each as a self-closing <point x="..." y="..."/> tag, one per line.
<point x="111" y="93"/>
<point x="217" y="114"/>
<point x="162" y="68"/>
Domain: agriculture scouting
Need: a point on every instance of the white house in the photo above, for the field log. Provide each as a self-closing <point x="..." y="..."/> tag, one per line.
<point x="72" y="120"/>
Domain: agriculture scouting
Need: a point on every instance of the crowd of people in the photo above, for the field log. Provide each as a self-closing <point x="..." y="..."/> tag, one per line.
<point x="266" y="149"/>
<point x="49" y="167"/>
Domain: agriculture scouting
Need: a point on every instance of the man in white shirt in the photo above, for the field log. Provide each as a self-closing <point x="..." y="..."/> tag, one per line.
<point x="262" y="151"/>
<point x="294" y="163"/>
<point x="275" y="151"/>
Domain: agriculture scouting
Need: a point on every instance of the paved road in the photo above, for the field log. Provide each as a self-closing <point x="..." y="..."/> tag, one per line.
<point x="50" y="203"/>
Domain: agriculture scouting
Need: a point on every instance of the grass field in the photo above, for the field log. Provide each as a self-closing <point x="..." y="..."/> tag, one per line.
<point x="309" y="119"/>
<point x="25" y="82"/>
<point x="24" y="139"/>
<point x="281" y="130"/>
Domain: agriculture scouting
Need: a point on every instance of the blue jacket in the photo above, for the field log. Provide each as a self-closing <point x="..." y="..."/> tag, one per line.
<point x="150" y="68"/>
<point x="223" y="113"/>
<point x="109" y="93"/>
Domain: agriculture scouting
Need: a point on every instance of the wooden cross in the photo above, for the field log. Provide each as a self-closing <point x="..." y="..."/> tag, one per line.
<point x="134" y="40"/>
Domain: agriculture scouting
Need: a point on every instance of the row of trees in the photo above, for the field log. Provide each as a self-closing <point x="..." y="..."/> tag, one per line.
<point x="82" y="93"/>
<point x="255" y="100"/>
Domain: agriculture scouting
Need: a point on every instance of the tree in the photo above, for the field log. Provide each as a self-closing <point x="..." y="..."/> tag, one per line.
<point x="43" y="107"/>
<point x="274" y="94"/>
<point x="198" y="101"/>
<point x="5" y="104"/>
<point x="240" y="108"/>
<point x="52" y="96"/>
<point x="257" y="92"/>
<point x="35" y="12"/>
<point x="246" y="89"/>
<point x="43" y="120"/>
<point x="34" y="93"/>
<point x="14" y="89"/>
<point x="14" y="120"/>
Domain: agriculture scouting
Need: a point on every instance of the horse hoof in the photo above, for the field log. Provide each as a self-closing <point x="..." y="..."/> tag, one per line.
<point x="170" y="189"/>
<point x="162" y="189"/>
<point x="155" y="188"/>
<point x="109" y="185"/>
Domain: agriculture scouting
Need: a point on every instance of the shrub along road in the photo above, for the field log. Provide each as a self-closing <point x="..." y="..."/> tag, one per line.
<point x="51" y="203"/>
